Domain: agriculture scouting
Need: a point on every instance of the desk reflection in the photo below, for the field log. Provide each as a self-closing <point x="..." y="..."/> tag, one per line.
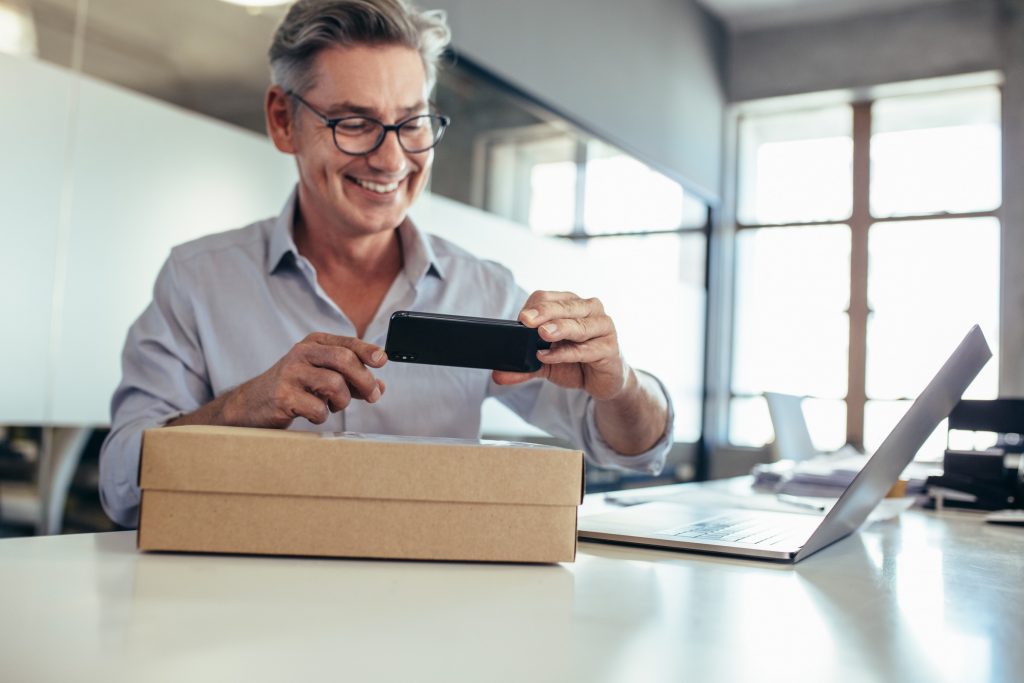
<point x="333" y="614"/>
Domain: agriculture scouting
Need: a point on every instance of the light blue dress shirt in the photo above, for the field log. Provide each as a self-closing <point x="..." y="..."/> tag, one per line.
<point x="228" y="306"/>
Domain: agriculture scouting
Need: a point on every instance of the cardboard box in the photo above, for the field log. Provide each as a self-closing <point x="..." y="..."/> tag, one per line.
<point x="238" y="490"/>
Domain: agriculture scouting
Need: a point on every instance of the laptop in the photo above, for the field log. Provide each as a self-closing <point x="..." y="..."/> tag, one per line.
<point x="791" y="537"/>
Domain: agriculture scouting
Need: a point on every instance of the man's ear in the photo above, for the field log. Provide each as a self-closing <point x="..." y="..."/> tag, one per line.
<point x="279" y="112"/>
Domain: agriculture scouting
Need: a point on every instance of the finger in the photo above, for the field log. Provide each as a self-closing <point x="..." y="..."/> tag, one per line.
<point x="372" y="397"/>
<point x="305" y="404"/>
<point x="543" y="311"/>
<point x="577" y="329"/>
<point x="529" y="309"/>
<point x="548" y="295"/>
<point x="572" y="352"/>
<point x="369" y="354"/>
<point x="328" y="386"/>
<point x="347" y="364"/>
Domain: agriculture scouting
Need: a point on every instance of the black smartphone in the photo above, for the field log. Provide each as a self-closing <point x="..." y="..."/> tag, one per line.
<point x="464" y="342"/>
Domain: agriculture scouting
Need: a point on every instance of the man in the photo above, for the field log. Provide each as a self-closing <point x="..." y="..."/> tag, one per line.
<point x="281" y="324"/>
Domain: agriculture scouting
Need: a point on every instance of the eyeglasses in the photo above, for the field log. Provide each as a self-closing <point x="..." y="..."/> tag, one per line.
<point x="361" y="135"/>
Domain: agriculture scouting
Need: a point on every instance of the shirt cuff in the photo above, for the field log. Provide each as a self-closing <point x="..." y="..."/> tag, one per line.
<point x="651" y="461"/>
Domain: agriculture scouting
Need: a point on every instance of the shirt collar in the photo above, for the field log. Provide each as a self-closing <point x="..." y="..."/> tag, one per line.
<point x="418" y="255"/>
<point x="282" y="241"/>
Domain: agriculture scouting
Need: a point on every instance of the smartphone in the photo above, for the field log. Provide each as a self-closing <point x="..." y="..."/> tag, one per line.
<point x="464" y="342"/>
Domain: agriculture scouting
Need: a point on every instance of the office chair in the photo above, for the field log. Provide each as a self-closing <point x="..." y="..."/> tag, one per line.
<point x="41" y="502"/>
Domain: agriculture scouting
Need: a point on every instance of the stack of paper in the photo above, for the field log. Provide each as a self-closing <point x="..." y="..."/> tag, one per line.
<point x="826" y="475"/>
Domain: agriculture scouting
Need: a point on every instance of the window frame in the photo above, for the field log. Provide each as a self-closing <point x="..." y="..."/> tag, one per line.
<point x="860" y="222"/>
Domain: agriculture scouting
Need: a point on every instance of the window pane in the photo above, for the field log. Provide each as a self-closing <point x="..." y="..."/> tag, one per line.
<point x="695" y="211"/>
<point x="750" y="423"/>
<point x="792" y="290"/>
<point x="552" y="198"/>
<point x="881" y="416"/>
<point x="929" y="281"/>
<point x="663" y="334"/>
<point x="624" y="195"/>
<point x="936" y="153"/>
<point x="796" y="167"/>
<point x="531" y="179"/>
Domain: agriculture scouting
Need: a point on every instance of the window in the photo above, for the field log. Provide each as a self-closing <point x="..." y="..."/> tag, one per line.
<point x="797" y="167"/>
<point x="867" y="245"/>
<point x="793" y="288"/>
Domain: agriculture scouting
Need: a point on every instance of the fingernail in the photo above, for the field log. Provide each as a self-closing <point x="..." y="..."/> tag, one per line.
<point x="530" y="313"/>
<point x="550" y="328"/>
<point x="378" y="356"/>
<point x="375" y="396"/>
<point x="543" y="352"/>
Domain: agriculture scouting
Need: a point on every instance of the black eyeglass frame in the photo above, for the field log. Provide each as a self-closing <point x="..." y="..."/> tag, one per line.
<point x="445" y="121"/>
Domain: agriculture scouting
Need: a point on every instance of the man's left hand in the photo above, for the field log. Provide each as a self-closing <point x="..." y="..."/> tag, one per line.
<point x="584" y="351"/>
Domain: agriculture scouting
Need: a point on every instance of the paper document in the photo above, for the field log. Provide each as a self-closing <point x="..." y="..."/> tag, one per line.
<point x="827" y="475"/>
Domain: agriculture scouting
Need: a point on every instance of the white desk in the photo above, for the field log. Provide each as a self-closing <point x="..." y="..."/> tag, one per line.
<point x="923" y="598"/>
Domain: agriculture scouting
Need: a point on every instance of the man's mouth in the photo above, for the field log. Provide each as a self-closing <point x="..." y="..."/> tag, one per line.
<point x="379" y="188"/>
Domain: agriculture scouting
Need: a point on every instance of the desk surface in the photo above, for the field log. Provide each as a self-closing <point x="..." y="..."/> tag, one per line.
<point x="926" y="597"/>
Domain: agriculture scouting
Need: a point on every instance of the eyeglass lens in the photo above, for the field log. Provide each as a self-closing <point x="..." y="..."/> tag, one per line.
<point x="358" y="135"/>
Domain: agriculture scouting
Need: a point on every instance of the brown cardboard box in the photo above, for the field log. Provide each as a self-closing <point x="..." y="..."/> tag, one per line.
<point x="237" y="490"/>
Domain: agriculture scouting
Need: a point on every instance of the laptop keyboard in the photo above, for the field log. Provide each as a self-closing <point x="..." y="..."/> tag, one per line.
<point x="747" y="530"/>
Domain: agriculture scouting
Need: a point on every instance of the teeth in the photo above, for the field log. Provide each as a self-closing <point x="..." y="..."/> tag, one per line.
<point x="377" y="187"/>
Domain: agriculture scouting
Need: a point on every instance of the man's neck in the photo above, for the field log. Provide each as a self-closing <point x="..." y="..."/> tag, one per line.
<point x="354" y="271"/>
<point x="336" y="254"/>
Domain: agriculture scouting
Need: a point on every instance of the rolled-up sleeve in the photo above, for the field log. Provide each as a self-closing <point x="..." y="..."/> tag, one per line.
<point x="163" y="376"/>
<point x="569" y="414"/>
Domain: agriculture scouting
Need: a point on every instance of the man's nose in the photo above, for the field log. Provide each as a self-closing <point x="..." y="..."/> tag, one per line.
<point x="389" y="156"/>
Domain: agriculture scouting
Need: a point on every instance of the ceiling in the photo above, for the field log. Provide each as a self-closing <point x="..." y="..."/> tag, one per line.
<point x="209" y="56"/>
<point x="750" y="15"/>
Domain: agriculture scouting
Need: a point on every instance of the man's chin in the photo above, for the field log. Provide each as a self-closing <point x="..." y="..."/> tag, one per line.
<point x="371" y="225"/>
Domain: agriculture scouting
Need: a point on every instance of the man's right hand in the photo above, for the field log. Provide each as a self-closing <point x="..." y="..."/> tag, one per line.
<point x="320" y="375"/>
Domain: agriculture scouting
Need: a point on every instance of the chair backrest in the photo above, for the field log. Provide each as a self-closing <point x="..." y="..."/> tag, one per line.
<point x="792" y="438"/>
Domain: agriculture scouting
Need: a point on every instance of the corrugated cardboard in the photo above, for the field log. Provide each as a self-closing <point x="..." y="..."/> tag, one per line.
<point x="238" y="490"/>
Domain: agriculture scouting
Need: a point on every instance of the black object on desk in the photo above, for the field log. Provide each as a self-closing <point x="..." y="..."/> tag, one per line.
<point x="994" y="477"/>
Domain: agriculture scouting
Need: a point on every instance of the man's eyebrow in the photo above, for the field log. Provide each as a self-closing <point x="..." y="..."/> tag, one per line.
<point x="350" y="108"/>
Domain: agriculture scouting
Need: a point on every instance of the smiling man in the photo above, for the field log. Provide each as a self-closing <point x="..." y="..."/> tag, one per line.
<point x="282" y="323"/>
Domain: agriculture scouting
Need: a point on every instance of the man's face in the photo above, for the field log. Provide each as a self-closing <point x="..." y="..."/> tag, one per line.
<point x="361" y="195"/>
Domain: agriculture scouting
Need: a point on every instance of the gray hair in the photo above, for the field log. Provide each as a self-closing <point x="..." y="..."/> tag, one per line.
<point x="313" y="25"/>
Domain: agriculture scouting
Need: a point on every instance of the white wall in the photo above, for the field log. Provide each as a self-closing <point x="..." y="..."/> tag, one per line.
<point x="33" y="138"/>
<point x="643" y="74"/>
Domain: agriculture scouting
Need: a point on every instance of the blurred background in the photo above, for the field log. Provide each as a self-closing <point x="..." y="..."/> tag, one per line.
<point x="815" y="197"/>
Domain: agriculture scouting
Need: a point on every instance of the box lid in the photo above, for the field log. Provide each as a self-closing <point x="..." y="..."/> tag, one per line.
<point x="279" y="462"/>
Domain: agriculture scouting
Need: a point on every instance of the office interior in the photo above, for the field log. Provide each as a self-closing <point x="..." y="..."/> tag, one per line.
<point x="817" y="197"/>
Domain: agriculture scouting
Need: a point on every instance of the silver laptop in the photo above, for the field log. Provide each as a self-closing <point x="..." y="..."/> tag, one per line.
<point x="790" y="537"/>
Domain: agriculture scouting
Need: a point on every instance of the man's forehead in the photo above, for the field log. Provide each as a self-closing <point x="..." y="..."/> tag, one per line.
<point x="375" y="78"/>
